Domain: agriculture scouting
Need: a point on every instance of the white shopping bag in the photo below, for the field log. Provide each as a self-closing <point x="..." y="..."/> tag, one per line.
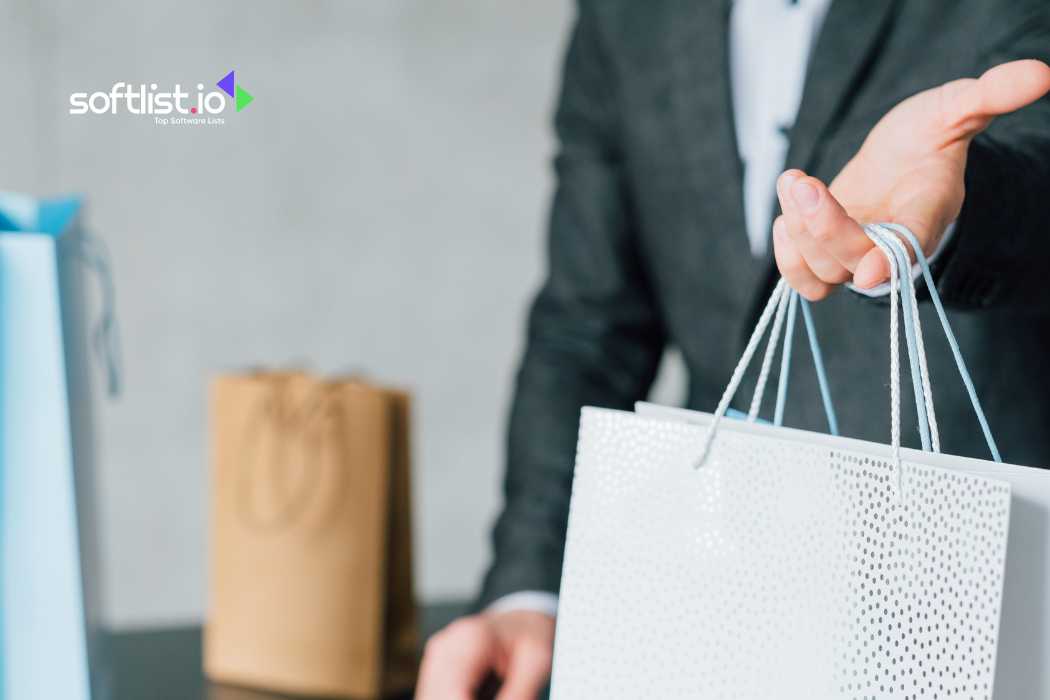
<point x="49" y="602"/>
<point x="790" y="564"/>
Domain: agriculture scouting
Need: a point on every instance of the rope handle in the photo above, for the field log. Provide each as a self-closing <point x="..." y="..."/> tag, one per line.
<point x="105" y="336"/>
<point x="927" y="420"/>
<point x="311" y="424"/>
<point x="887" y="237"/>
<point x="960" y="364"/>
<point x="796" y="300"/>
<point x="789" y="299"/>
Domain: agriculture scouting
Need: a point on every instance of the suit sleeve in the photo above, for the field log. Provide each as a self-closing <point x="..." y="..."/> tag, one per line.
<point x="594" y="336"/>
<point x="1002" y="244"/>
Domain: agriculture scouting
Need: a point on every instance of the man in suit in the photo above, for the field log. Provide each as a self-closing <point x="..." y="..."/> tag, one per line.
<point x="676" y="123"/>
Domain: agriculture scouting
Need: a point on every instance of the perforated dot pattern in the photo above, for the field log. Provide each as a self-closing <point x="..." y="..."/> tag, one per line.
<point x="780" y="569"/>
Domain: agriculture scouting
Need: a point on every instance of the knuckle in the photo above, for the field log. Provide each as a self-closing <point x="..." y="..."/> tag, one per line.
<point x="833" y="274"/>
<point x="814" y="291"/>
<point x="464" y="627"/>
<point x="454" y="633"/>
<point x="792" y="268"/>
<point x="434" y="645"/>
<point x="779" y="228"/>
<point x="534" y="649"/>
<point x="823" y="234"/>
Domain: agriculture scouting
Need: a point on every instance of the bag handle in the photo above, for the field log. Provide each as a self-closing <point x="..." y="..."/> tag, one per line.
<point x="916" y="354"/>
<point x="795" y="301"/>
<point x="892" y="234"/>
<point x="886" y="239"/>
<point x="785" y="361"/>
<point x="105" y="337"/>
<point x="920" y="378"/>
<point x="767" y="361"/>
<point x="308" y="422"/>
<point x="960" y="364"/>
<point x="774" y="303"/>
<point x="818" y="363"/>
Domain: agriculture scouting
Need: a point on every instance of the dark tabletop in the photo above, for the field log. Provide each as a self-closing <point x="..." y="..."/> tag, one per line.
<point x="165" y="664"/>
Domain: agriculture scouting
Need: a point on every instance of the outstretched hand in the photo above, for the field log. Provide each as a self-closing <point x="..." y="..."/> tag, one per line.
<point x="909" y="171"/>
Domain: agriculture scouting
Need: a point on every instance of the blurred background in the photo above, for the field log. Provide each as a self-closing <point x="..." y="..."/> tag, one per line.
<point x="380" y="207"/>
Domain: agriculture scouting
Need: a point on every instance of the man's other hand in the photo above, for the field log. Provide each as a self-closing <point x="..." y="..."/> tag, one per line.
<point x="516" y="646"/>
<point x="909" y="171"/>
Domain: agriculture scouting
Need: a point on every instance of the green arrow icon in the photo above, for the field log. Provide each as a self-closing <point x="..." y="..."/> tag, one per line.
<point x="243" y="98"/>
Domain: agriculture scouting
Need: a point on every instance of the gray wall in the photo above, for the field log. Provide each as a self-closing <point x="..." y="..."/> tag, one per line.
<point x="380" y="206"/>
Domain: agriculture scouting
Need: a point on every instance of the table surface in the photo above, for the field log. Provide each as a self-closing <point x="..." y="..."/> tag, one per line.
<point x="165" y="664"/>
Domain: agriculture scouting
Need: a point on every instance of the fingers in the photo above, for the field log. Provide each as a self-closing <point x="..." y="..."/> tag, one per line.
<point x="816" y="243"/>
<point x="527" y="671"/>
<point x="873" y="269"/>
<point x="456" y="660"/>
<point x="516" y="645"/>
<point x="793" y="266"/>
<point x="971" y="104"/>
<point x="797" y="196"/>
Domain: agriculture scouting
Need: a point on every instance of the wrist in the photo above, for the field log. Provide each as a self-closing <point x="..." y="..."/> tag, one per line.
<point x="533" y="601"/>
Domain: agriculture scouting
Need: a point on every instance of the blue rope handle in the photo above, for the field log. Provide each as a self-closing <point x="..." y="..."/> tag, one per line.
<point x="818" y="363"/>
<point x="785" y="358"/>
<point x="912" y="333"/>
<point x="907" y="289"/>
<point x="911" y="336"/>
<point x="105" y="336"/>
<point x="935" y="297"/>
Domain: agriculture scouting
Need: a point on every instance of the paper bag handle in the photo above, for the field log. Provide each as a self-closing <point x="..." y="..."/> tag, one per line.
<point x="916" y="353"/>
<point x="960" y="364"/>
<point x="794" y="300"/>
<point x="883" y="235"/>
<point x="105" y="337"/>
<point x="303" y="422"/>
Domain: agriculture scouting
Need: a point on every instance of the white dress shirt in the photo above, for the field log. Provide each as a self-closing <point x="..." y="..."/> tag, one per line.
<point x="769" y="46"/>
<point x="770" y="42"/>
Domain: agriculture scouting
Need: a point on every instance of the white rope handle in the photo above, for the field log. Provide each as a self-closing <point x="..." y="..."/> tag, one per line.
<point x="897" y="257"/>
<point x="920" y="348"/>
<point x="767" y="361"/>
<point x="895" y="371"/>
<point x="741" y="366"/>
<point x="960" y="364"/>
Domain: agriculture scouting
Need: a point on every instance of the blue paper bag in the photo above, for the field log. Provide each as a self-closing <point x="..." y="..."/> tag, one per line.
<point x="49" y="587"/>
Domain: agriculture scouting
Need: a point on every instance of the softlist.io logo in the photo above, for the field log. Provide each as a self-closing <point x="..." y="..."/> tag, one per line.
<point x="176" y="106"/>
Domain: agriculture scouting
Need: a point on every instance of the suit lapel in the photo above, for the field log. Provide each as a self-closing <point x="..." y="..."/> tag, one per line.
<point x="845" y="49"/>
<point x="701" y="105"/>
<point x="847" y="45"/>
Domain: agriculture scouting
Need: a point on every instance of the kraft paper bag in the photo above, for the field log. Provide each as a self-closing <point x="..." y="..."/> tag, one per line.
<point x="49" y="588"/>
<point x="311" y="562"/>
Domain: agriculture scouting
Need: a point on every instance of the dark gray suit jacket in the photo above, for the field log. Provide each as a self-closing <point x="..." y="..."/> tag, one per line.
<point x="648" y="246"/>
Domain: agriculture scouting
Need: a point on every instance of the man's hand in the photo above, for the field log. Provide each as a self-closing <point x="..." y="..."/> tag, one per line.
<point x="517" y="646"/>
<point x="909" y="171"/>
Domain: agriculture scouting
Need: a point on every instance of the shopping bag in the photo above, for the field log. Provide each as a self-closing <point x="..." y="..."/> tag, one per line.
<point x="734" y="559"/>
<point x="49" y="587"/>
<point x="311" y="578"/>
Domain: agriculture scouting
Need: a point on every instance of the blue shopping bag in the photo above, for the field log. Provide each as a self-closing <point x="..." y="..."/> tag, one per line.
<point x="49" y="583"/>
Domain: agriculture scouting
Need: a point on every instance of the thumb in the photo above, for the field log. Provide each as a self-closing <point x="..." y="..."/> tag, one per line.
<point x="528" y="670"/>
<point x="971" y="104"/>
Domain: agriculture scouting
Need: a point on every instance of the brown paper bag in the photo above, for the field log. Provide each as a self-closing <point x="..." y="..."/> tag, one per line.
<point x="311" y="562"/>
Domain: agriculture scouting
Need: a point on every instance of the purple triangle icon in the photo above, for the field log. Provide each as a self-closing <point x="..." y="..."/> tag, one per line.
<point x="227" y="84"/>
